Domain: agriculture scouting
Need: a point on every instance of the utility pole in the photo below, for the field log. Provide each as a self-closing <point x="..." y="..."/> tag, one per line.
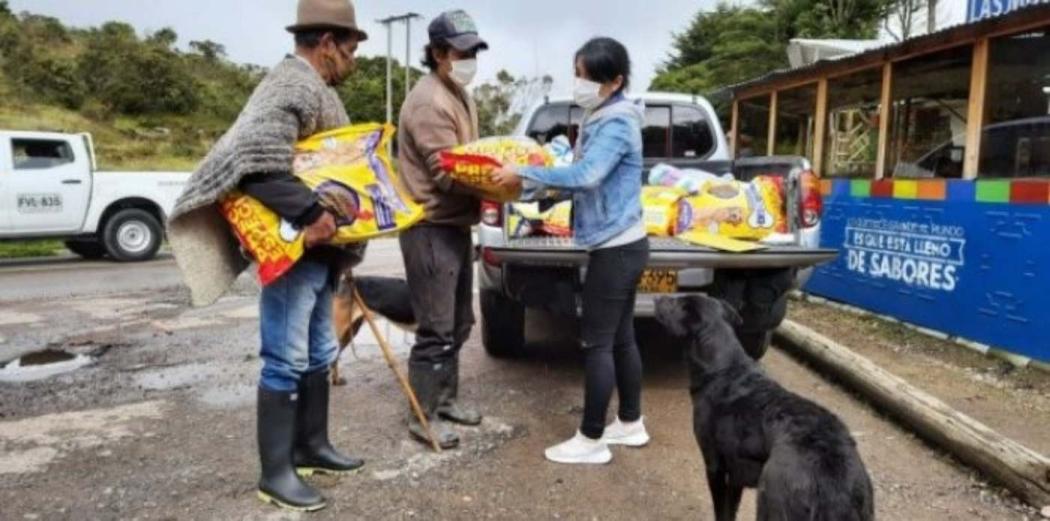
<point x="388" y="22"/>
<point x="931" y="16"/>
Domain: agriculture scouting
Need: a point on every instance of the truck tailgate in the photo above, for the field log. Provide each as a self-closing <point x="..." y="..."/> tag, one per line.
<point x="664" y="253"/>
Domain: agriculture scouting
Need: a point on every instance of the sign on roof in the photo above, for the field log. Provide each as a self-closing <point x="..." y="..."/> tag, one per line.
<point x="982" y="9"/>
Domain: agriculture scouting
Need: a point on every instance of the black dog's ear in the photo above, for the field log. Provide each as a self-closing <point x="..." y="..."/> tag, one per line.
<point x="731" y="314"/>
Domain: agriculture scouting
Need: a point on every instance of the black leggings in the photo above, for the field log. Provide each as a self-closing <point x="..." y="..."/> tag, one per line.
<point x="607" y="333"/>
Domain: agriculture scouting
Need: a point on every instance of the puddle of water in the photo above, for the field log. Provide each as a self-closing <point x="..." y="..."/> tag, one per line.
<point x="42" y="364"/>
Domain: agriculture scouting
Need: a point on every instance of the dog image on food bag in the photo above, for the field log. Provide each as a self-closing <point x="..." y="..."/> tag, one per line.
<point x="754" y="433"/>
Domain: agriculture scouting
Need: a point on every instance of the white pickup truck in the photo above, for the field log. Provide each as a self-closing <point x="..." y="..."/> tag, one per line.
<point x="50" y="188"/>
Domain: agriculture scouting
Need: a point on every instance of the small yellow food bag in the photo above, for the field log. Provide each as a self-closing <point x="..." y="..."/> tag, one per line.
<point x="351" y="173"/>
<point x="734" y="209"/>
<point x="473" y="163"/>
<point x="660" y="209"/>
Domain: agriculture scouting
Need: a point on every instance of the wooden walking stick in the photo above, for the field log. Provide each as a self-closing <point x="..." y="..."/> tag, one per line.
<point x="391" y="361"/>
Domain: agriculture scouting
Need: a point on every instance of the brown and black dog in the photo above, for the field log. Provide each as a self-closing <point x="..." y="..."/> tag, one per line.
<point x="387" y="297"/>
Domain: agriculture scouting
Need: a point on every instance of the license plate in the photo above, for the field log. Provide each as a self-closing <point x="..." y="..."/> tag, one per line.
<point x="658" y="281"/>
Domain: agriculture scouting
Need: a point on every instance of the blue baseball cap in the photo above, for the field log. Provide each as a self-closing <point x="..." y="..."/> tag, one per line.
<point x="457" y="29"/>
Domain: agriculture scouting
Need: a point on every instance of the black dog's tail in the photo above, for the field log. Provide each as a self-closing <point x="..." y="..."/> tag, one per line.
<point x="387" y="296"/>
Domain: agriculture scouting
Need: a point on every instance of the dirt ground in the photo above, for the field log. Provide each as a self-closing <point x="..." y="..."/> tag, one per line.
<point x="161" y="424"/>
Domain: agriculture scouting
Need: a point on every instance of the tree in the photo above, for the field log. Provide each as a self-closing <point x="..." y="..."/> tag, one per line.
<point x="732" y="43"/>
<point x="722" y="47"/>
<point x="902" y="19"/>
<point x="849" y="19"/>
<point x="131" y="77"/>
<point x="210" y="50"/>
<point x="364" y="92"/>
<point x="501" y="103"/>
<point x="165" y="38"/>
<point x="5" y="11"/>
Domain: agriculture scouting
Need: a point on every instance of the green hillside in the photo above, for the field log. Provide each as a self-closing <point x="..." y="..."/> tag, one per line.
<point x="150" y="104"/>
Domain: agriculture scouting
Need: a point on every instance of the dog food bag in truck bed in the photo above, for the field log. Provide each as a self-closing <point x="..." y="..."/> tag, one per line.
<point x="734" y="209"/>
<point x="660" y="209"/>
<point x="473" y="164"/>
<point x="352" y="174"/>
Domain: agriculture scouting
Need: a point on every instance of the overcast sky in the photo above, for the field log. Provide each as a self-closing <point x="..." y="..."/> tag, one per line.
<point x="527" y="37"/>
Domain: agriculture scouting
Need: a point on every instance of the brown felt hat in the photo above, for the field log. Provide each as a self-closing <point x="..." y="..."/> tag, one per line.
<point x="325" y="14"/>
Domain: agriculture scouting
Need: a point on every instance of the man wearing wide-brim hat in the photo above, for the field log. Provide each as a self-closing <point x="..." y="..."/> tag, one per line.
<point x="295" y="100"/>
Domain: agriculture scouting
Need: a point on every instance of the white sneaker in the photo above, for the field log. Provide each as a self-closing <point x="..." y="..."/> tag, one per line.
<point x="631" y="434"/>
<point x="579" y="449"/>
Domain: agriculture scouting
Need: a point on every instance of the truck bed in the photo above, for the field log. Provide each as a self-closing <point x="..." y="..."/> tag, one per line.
<point x="665" y="252"/>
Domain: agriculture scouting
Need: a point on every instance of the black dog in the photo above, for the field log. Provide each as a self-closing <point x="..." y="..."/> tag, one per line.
<point x="754" y="433"/>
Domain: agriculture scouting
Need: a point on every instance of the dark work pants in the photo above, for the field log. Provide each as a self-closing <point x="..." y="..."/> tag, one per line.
<point x="439" y="269"/>
<point x="607" y="334"/>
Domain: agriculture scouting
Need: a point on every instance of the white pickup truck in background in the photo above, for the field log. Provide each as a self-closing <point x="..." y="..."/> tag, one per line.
<point x="50" y="188"/>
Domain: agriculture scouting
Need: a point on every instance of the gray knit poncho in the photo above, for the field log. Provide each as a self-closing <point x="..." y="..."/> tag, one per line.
<point x="292" y="103"/>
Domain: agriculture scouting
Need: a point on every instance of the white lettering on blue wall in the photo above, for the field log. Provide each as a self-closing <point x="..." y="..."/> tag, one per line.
<point x="983" y="9"/>
<point x="923" y="255"/>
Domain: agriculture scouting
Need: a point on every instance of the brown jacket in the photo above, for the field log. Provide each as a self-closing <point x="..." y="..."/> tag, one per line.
<point x="435" y="118"/>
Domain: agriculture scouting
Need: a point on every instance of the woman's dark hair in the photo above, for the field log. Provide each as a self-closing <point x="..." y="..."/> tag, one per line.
<point x="311" y="38"/>
<point x="428" y="54"/>
<point x="605" y="59"/>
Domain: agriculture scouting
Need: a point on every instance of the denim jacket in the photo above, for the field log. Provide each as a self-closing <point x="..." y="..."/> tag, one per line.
<point x="606" y="178"/>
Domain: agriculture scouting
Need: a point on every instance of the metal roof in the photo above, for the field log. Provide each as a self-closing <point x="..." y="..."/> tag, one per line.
<point x="959" y="33"/>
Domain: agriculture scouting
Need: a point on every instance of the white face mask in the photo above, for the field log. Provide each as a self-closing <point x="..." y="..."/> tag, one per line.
<point x="463" y="71"/>
<point x="587" y="94"/>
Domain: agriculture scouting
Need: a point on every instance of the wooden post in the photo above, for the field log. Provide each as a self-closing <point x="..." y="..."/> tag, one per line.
<point x="884" y="119"/>
<point x="391" y="361"/>
<point x="1022" y="470"/>
<point x="772" y="141"/>
<point x="734" y="130"/>
<point x="820" y="132"/>
<point x="975" y="116"/>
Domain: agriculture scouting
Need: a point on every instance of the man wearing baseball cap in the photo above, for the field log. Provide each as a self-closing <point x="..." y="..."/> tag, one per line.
<point x="296" y="100"/>
<point x="437" y="115"/>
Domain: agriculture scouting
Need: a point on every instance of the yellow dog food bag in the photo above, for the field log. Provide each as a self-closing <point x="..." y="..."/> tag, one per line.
<point x="661" y="206"/>
<point x="351" y="173"/>
<point x="734" y="209"/>
<point x="473" y="163"/>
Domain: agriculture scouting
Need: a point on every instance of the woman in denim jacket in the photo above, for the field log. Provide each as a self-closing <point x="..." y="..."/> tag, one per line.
<point x="606" y="183"/>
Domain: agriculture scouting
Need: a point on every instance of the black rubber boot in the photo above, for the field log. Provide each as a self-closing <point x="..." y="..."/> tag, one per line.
<point x="279" y="484"/>
<point x="426" y="380"/>
<point x="313" y="451"/>
<point x="450" y="408"/>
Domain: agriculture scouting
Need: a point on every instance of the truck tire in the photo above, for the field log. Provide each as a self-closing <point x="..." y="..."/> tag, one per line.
<point x="502" y="325"/>
<point x="132" y="235"/>
<point x="761" y="297"/>
<point x="86" y="248"/>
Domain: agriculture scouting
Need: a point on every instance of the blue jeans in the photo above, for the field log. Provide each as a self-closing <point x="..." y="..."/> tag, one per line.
<point x="295" y="321"/>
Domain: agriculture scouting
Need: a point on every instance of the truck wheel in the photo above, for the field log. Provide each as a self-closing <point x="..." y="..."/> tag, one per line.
<point x="86" y="248"/>
<point x="502" y="325"/>
<point x="132" y="235"/>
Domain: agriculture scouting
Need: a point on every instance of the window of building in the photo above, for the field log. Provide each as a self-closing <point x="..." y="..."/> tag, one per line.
<point x="1016" y="137"/>
<point x="796" y="110"/>
<point x="852" y="138"/>
<point x="931" y="97"/>
<point x="753" y="114"/>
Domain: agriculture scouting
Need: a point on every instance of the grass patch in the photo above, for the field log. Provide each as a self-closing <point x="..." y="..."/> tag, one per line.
<point x="24" y="249"/>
